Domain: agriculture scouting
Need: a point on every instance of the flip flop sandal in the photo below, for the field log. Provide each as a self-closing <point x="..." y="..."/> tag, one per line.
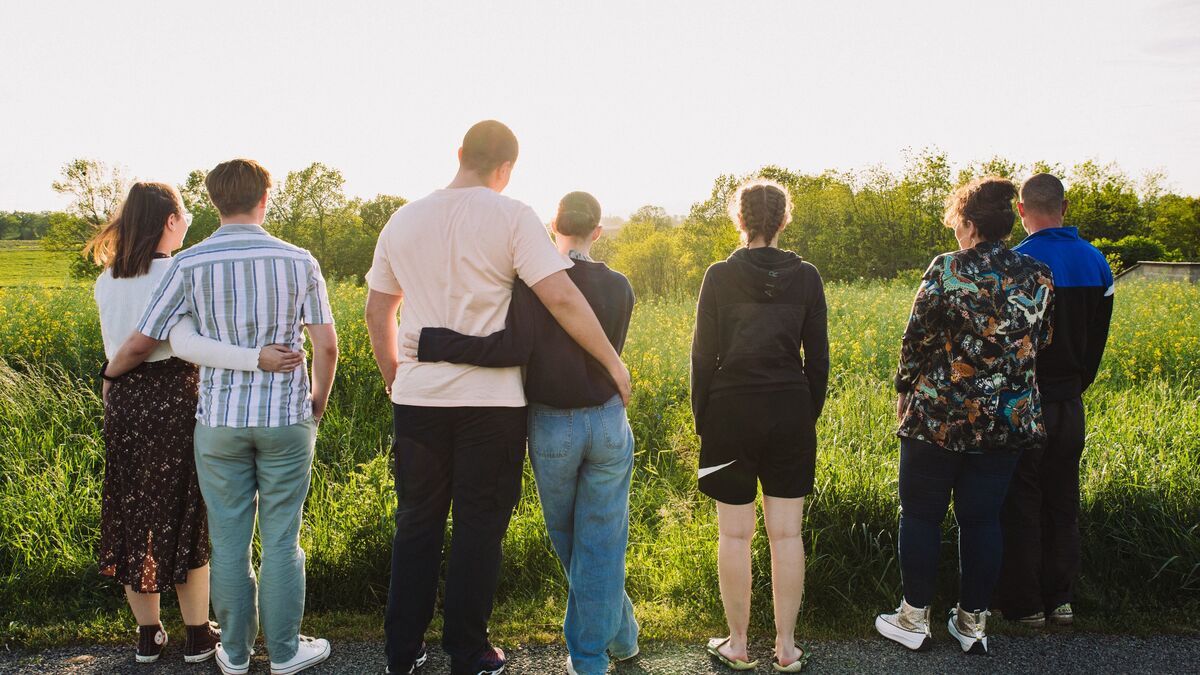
<point x="714" y="649"/>
<point x="793" y="667"/>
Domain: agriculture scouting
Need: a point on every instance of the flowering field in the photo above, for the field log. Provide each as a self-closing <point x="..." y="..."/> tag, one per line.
<point x="1141" y="484"/>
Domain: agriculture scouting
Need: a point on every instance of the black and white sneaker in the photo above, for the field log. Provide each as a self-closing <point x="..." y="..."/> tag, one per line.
<point x="908" y="625"/>
<point x="970" y="629"/>
<point x="489" y="662"/>
<point x="422" y="657"/>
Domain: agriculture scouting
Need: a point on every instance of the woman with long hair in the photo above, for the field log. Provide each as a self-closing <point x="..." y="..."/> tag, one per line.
<point x="153" y="529"/>
<point x="760" y="366"/>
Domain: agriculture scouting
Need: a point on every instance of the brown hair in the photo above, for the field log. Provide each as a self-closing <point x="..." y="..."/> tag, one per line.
<point x="578" y="215"/>
<point x="487" y="145"/>
<point x="986" y="202"/>
<point x="1043" y="193"/>
<point x="761" y="208"/>
<point x="128" y="242"/>
<point x="237" y="186"/>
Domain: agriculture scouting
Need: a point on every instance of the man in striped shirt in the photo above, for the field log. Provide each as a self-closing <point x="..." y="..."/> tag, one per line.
<point x="255" y="430"/>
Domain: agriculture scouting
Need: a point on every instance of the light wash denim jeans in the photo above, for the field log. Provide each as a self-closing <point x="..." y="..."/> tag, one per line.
<point x="263" y="471"/>
<point x="583" y="461"/>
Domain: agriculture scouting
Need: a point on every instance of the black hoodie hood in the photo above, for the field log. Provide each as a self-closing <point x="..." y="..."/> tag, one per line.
<point x="766" y="272"/>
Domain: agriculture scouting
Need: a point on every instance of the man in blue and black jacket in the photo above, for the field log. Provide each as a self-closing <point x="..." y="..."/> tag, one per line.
<point x="1041" y="512"/>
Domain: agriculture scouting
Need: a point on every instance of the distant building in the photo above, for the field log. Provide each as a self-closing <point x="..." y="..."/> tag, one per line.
<point x="1165" y="271"/>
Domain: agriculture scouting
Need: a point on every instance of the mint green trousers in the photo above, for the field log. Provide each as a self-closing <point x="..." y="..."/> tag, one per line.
<point x="244" y="473"/>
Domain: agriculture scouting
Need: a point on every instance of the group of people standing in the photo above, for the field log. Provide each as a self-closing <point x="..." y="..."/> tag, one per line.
<point x="492" y="339"/>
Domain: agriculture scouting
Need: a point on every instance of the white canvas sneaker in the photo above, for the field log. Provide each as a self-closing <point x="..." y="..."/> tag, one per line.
<point x="908" y="625"/>
<point x="229" y="668"/>
<point x="970" y="629"/>
<point x="309" y="653"/>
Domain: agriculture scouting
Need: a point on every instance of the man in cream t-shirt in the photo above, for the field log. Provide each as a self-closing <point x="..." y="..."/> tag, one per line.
<point x="459" y="431"/>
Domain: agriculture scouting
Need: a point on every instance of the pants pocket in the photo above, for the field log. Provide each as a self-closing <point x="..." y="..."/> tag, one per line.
<point x="551" y="433"/>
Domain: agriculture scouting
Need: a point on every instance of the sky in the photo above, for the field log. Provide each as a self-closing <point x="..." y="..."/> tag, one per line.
<point x="636" y="102"/>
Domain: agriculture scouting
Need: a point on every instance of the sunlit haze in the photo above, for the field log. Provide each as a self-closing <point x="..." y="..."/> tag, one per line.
<point x="636" y="102"/>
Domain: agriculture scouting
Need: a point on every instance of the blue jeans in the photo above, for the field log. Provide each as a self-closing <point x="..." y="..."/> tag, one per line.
<point x="583" y="462"/>
<point x="263" y="472"/>
<point x="929" y="475"/>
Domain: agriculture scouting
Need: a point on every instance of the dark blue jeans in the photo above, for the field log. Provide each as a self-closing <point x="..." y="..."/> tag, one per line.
<point x="929" y="477"/>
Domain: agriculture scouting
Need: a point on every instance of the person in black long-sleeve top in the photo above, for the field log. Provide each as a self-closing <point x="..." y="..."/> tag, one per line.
<point x="760" y="367"/>
<point x="580" y="442"/>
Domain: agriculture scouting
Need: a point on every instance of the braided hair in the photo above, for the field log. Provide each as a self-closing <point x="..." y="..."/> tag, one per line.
<point x="760" y="208"/>
<point x="988" y="203"/>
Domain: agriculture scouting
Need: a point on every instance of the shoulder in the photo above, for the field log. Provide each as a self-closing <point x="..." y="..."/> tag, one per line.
<point x="716" y="269"/>
<point x="810" y="271"/>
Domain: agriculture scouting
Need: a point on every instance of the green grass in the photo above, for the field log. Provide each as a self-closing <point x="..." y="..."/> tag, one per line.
<point x="1141" y="487"/>
<point x="25" y="263"/>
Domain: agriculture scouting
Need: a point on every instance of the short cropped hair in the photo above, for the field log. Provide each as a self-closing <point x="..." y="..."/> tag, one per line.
<point x="237" y="186"/>
<point x="1043" y="193"/>
<point x="487" y="145"/>
<point x="986" y="202"/>
<point x="578" y="215"/>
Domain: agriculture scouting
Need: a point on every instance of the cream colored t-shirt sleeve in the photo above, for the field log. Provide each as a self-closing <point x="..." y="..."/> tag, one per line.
<point x="534" y="255"/>
<point x="381" y="277"/>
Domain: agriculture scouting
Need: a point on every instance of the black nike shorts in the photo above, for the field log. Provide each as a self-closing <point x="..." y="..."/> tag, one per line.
<point x="761" y="437"/>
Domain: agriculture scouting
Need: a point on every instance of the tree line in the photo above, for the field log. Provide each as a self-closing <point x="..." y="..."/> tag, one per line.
<point x="877" y="223"/>
<point x="871" y="223"/>
<point x="309" y="208"/>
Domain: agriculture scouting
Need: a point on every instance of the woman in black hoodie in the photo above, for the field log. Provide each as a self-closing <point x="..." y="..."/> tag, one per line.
<point x="756" y="401"/>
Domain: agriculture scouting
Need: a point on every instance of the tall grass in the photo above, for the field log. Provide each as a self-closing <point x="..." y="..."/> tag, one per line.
<point x="1141" y="478"/>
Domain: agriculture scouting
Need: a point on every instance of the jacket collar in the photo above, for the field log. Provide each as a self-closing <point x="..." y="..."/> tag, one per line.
<point x="1064" y="232"/>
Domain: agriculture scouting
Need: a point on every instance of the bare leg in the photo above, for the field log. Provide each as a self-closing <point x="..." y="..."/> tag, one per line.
<point x="784" y="518"/>
<point x="736" y="525"/>
<point x="193" y="597"/>
<point x="144" y="606"/>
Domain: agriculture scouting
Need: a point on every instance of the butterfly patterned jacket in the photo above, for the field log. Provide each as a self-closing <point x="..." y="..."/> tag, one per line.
<point x="968" y="354"/>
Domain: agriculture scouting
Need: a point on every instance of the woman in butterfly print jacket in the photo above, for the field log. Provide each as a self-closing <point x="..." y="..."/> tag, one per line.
<point x="968" y="405"/>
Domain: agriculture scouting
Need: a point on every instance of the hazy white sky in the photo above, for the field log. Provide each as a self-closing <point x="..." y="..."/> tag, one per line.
<point x="636" y="102"/>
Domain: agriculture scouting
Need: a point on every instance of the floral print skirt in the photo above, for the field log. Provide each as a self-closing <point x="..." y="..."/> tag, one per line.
<point x="153" y="527"/>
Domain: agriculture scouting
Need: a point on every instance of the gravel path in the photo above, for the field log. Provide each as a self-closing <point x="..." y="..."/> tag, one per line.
<point x="1058" y="653"/>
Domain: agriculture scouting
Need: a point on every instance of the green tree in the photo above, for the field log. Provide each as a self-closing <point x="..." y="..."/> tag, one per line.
<point x="376" y="212"/>
<point x="24" y="225"/>
<point x="1176" y="224"/>
<point x="1131" y="250"/>
<point x="1102" y="202"/>
<point x="96" y="191"/>
<point x="205" y="217"/>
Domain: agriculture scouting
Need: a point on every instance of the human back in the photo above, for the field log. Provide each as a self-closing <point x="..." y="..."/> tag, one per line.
<point x="455" y="255"/>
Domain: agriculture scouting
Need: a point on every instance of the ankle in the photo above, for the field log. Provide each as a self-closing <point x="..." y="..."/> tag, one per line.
<point x="737" y="645"/>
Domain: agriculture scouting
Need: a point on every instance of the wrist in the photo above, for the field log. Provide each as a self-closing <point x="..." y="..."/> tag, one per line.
<point x="105" y="376"/>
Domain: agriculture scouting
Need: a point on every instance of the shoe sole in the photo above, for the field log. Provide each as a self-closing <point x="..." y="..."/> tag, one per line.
<point x="1062" y="621"/>
<point x="917" y="642"/>
<point x="303" y="665"/>
<point x="969" y="645"/>
<point x="232" y="670"/>
<point x="147" y="659"/>
<point x="200" y="658"/>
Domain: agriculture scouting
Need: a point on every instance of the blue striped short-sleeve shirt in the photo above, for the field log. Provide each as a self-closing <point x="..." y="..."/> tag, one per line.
<point x="246" y="288"/>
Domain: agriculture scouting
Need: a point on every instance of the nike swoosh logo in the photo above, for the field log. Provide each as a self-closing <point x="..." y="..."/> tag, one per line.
<point x="713" y="469"/>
